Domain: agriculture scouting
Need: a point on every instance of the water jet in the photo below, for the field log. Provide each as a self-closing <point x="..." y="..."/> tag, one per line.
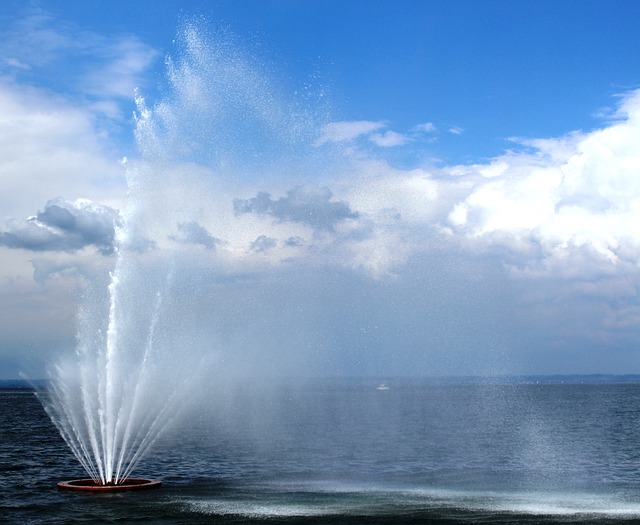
<point x="137" y="324"/>
<point x="90" y="485"/>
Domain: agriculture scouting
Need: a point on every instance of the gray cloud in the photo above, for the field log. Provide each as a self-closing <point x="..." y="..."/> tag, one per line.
<point x="294" y="241"/>
<point x="191" y="232"/>
<point x="263" y="244"/>
<point x="307" y="204"/>
<point x="64" y="226"/>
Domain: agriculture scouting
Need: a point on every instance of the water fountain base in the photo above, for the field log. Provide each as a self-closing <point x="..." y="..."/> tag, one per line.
<point x="89" y="485"/>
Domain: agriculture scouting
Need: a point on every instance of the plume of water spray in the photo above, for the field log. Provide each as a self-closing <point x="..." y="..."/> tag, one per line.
<point x="110" y="402"/>
<point x="135" y="356"/>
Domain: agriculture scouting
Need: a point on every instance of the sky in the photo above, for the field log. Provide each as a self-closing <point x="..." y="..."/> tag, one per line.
<point x="343" y="188"/>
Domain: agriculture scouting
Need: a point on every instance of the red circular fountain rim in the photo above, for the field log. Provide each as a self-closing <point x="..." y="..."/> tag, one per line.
<point x="89" y="485"/>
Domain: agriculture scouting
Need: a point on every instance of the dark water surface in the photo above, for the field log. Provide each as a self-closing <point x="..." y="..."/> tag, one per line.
<point x="349" y="453"/>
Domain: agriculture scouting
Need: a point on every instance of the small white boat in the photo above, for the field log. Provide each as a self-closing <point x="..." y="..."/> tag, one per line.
<point x="382" y="386"/>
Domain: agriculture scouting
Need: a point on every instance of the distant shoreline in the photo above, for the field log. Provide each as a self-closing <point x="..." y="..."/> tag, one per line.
<point x="555" y="379"/>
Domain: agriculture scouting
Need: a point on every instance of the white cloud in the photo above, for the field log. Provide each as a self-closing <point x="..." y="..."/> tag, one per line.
<point x="103" y="66"/>
<point x="582" y="190"/>
<point x="125" y="61"/>
<point x="427" y="127"/>
<point x="563" y="207"/>
<point x="375" y="132"/>
<point x="377" y="189"/>
<point x="388" y="139"/>
<point x="50" y="147"/>
<point x="347" y="130"/>
<point x="37" y="38"/>
<point x="456" y="130"/>
<point x="62" y="140"/>
<point x="14" y="62"/>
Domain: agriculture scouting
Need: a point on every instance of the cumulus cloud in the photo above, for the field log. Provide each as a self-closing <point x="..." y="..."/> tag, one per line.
<point x="556" y="207"/>
<point x="191" y="232"/>
<point x="566" y="194"/>
<point x="309" y="205"/>
<point x="51" y="146"/>
<point x="64" y="226"/>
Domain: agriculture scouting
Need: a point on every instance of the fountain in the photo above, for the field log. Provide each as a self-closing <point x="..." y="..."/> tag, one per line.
<point x="137" y="345"/>
<point x="89" y="485"/>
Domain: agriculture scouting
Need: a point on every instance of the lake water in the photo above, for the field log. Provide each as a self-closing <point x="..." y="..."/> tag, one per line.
<point x="349" y="452"/>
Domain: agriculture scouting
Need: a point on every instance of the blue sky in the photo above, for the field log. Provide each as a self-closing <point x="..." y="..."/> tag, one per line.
<point x="493" y="69"/>
<point x="419" y="187"/>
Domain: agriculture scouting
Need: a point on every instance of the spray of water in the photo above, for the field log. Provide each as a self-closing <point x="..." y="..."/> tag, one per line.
<point x="138" y="351"/>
